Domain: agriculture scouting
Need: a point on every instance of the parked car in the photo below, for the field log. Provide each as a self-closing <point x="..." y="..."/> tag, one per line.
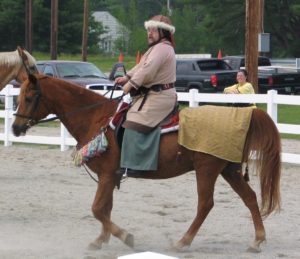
<point x="208" y="75"/>
<point x="236" y="62"/>
<point x="84" y="74"/>
<point x="285" y="80"/>
<point x="81" y="73"/>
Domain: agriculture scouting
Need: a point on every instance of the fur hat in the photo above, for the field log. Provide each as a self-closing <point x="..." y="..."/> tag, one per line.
<point x="160" y="21"/>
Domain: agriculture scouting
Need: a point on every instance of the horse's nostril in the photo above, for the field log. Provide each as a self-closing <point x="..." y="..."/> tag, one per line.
<point x="18" y="130"/>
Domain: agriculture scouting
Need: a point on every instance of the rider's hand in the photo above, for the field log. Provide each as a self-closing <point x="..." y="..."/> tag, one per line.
<point x="121" y="80"/>
<point x="126" y="88"/>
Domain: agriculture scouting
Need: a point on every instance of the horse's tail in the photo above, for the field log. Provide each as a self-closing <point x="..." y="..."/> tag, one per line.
<point x="263" y="138"/>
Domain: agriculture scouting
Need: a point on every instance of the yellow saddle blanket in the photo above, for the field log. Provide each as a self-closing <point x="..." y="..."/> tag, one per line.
<point x="216" y="130"/>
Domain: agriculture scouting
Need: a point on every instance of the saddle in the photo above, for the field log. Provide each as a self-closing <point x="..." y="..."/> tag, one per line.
<point x="169" y="124"/>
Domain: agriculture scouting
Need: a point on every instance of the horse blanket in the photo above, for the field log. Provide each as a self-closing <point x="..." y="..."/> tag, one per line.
<point x="215" y="130"/>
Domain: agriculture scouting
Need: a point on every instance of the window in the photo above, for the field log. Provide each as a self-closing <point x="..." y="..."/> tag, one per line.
<point x="48" y="70"/>
<point x="213" y="65"/>
<point x="182" y="67"/>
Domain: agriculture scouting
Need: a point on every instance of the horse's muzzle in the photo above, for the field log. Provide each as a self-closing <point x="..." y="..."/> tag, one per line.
<point x="20" y="129"/>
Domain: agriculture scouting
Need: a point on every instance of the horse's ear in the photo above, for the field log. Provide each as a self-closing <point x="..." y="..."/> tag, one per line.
<point x="29" y="69"/>
<point x="20" y="51"/>
<point x="32" y="78"/>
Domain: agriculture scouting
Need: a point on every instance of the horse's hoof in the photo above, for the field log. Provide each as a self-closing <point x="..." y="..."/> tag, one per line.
<point x="178" y="247"/>
<point x="129" y="240"/>
<point x="253" y="249"/>
<point x="94" y="246"/>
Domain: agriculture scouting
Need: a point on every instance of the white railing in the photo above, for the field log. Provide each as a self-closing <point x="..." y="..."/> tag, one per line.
<point x="272" y="99"/>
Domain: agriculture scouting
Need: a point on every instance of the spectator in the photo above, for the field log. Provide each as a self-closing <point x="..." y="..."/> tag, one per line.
<point x="242" y="87"/>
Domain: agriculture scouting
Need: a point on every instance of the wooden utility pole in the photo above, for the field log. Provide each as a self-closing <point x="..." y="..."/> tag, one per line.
<point x="251" y="44"/>
<point x="261" y="16"/>
<point x="28" y="25"/>
<point x="85" y="29"/>
<point x="54" y="28"/>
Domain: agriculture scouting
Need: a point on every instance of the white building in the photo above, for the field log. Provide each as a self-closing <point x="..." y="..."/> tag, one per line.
<point x="114" y="31"/>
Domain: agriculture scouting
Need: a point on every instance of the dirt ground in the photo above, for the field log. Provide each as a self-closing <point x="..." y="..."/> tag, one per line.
<point x="45" y="212"/>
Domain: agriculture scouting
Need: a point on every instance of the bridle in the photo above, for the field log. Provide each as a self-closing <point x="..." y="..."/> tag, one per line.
<point x="36" y="102"/>
<point x="37" y="98"/>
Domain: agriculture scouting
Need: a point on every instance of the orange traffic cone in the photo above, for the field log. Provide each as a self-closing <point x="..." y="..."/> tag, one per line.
<point x="138" y="57"/>
<point x="121" y="58"/>
<point x="219" y="54"/>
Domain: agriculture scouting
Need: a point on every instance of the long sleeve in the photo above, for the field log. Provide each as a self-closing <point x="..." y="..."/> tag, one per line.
<point x="157" y="66"/>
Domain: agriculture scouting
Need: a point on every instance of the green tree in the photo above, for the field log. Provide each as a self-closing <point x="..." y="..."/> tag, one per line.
<point x="201" y="25"/>
<point x="282" y="20"/>
<point x="12" y="25"/>
<point x="188" y="34"/>
<point x="223" y="26"/>
<point x="70" y="27"/>
<point x="70" y="19"/>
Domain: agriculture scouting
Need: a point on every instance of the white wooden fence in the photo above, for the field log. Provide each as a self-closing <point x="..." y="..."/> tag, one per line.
<point x="272" y="99"/>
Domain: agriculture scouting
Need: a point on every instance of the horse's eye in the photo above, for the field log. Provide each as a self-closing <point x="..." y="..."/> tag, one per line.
<point x="28" y="99"/>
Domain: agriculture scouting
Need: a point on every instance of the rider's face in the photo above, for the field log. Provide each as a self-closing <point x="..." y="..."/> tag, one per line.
<point x="153" y="35"/>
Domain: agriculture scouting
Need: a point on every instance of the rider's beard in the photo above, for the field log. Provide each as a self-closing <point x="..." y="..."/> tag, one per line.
<point x="152" y="42"/>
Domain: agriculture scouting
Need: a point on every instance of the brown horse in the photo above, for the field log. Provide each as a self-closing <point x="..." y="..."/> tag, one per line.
<point x="84" y="112"/>
<point x="11" y="66"/>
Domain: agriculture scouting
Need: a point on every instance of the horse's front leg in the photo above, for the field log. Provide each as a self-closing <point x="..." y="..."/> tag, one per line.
<point x="101" y="209"/>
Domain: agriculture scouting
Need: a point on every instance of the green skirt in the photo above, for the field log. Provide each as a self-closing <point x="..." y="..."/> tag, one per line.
<point x="139" y="150"/>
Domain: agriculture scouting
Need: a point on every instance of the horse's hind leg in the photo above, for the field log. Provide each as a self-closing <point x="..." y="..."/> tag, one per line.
<point x="207" y="170"/>
<point x="232" y="174"/>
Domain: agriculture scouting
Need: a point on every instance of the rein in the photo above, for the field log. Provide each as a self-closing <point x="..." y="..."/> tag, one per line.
<point x="88" y="172"/>
<point x="38" y="97"/>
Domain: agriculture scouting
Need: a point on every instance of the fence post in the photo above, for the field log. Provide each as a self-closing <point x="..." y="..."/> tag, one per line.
<point x="8" y="111"/>
<point x="271" y="106"/>
<point x="63" y="136"/>
<point x="192" y="102"/>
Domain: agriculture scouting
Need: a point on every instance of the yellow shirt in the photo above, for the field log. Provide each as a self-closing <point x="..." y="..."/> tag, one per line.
<point x="245" y="88"/>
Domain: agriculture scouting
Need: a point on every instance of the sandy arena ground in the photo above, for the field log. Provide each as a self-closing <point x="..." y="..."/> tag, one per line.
<point x="45" y="212"/>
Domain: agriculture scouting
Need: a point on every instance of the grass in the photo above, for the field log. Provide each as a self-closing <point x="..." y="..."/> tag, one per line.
<point x="289" y="114"/>
<point x="103" y="62"/>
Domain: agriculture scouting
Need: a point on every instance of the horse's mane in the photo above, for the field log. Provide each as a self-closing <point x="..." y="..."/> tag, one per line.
<point x="13" y="58"/>
<point x="70" y="89"/>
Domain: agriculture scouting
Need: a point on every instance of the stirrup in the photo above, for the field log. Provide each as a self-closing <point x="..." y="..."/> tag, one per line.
<point x="121" y="175"/>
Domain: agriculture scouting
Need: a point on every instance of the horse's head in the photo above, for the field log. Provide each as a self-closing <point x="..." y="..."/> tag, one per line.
<point x="16" y="65"/>
<point x="31" y="107"/>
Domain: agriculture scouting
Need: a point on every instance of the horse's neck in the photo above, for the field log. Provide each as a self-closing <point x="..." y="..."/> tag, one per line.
<point x="83" y="113"/>
<point x="8" y="73"/>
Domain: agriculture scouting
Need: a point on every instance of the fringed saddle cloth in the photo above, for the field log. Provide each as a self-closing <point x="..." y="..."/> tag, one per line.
<point x="215" y="130"/>
<point x="92" y="149"/>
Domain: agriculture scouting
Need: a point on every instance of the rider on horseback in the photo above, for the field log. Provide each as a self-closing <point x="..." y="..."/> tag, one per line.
<point x="151" y="83"/>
